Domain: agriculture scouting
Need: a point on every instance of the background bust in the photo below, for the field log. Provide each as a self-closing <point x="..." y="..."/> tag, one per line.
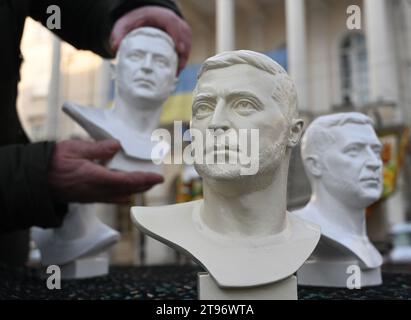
<point x="145" y="75"/>
<point x="341" y="156"/>
<point x="241" y="232"/>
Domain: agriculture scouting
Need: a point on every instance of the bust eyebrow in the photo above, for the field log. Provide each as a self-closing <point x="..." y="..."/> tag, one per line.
<point x="159" y="55"/>
<point x="354" y="144"/>
<point x="243" y="94"/>
<point x="132" y="51"/>
<point x="362" y="145"/>
<point x="205" y="96"/>
<point x="377" y="145"/>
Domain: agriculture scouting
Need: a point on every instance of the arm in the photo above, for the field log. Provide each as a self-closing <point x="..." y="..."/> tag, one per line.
<point x="25" y="198"/>
<point x="87" y="24"/>
<point x="37" y="180"/>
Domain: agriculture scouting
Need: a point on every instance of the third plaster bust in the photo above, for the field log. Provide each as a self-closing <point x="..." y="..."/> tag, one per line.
<point x="145" y="76"/>
<point x="341" y="156"/>
<point x="241" y="232"/>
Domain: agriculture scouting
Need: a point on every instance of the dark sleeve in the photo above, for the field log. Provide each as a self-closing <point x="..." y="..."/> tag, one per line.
<point x="25" y="198"/>
<point x="86" y="24"/>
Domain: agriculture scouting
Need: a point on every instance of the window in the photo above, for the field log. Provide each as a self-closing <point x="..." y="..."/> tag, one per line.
<point x="354" y="70"/>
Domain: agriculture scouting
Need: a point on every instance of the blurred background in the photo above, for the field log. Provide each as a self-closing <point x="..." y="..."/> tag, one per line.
<point x="337" y="64"/>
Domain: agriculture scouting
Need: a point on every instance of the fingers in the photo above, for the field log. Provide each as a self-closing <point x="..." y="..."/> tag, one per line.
<point x="121" y="183"/>
<point x="181" y="34"/>
<point x="184" y="46"/>
<point x="123" y="26"/>
<point x="104" y="149"/>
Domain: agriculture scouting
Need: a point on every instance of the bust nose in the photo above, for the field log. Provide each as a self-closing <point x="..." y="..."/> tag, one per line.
<point x="373" y="165"/>
<point x="374" y="161"/>
<point x="147" y="64"/>
<point x="219" y="121"/>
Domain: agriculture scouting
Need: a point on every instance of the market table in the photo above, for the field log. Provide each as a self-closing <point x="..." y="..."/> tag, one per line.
<point x="167" y="283"/>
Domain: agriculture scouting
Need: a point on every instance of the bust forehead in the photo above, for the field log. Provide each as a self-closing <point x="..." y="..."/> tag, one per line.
<point x="146" y="43"/>
<point x="242" y="77"/>
<point x="354" y="133"/>
<point x="150" y="40"/>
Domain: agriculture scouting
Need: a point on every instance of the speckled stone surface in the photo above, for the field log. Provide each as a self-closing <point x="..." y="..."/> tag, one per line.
<point x="167" y="283"/>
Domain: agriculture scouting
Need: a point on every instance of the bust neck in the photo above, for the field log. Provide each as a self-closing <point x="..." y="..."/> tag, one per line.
<point x="345" y="218"/>
<point x="138" y="114"/>
<point x="252" y="207"/>
<point x="76" y="223"/>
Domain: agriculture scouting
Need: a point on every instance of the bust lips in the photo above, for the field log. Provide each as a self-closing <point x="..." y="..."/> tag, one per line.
<point x="144" y="81"/>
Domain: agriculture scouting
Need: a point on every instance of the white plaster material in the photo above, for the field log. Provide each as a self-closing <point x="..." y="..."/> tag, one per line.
<point x="281" y="290"/>
<point x="337" y="274"/>
<point x="241" y="232"/>
<point x="145" y="76"/>
<point x="232" y="261"/>
<point x="86" y="267"/>
<point x="82" y="234"/>
<point x="341" y="156"/>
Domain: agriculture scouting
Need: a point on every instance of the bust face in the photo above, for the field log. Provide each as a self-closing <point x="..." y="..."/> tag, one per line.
<point x="353" y="166"/>
<point x="146" y="67"/>
<point x="239" y="97"/>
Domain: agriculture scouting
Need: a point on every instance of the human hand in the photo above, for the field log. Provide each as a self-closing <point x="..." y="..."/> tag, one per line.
<point x="74" y="176"/>
<point x="159" y="17"/>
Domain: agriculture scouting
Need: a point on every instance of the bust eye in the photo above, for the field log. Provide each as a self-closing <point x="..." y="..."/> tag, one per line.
<point x="202" y="110"/>
<point x="137" y="55"/>
<point x="352" y="151"/>
<point x="161" y="62"/>
<point x="245" y="107"/>
<point x="377" y="151"/>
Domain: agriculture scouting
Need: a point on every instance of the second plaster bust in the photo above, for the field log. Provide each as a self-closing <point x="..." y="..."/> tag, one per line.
<point x="82" y="234"/>
<point x="241" y="232"/>
<point x="341" y="156"/>
<point x="145" y="76"/>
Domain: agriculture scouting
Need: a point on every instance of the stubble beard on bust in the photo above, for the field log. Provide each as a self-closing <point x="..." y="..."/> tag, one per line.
<point x="270" y="159"/>
<point x="349" y="193"/>
<point x="130" y="93"/>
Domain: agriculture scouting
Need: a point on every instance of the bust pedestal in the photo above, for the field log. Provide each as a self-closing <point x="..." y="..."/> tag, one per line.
<point x="337" y="274"/>
<point x="86" y="267"/>
<point x="80" y="247"/>
<point x="285" y="289"/>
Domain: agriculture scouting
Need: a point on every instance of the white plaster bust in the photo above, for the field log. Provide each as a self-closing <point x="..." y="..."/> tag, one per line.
<point x="241" y="232"/>
<point x="341" y="156"/>
<point x="82" y="234"/>
<point x="145" y="76"/>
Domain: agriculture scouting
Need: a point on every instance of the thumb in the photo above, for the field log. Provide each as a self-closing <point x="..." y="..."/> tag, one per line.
<point x="103" y="149"/>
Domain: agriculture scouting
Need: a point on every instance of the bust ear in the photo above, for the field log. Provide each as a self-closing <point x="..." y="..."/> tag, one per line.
<point x="296" y="130"/>
<point x="174" y="85"/>
<point x="313" y="166"/>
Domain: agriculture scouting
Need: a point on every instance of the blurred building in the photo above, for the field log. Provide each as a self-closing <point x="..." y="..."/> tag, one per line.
<point x="335" y="67"/>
